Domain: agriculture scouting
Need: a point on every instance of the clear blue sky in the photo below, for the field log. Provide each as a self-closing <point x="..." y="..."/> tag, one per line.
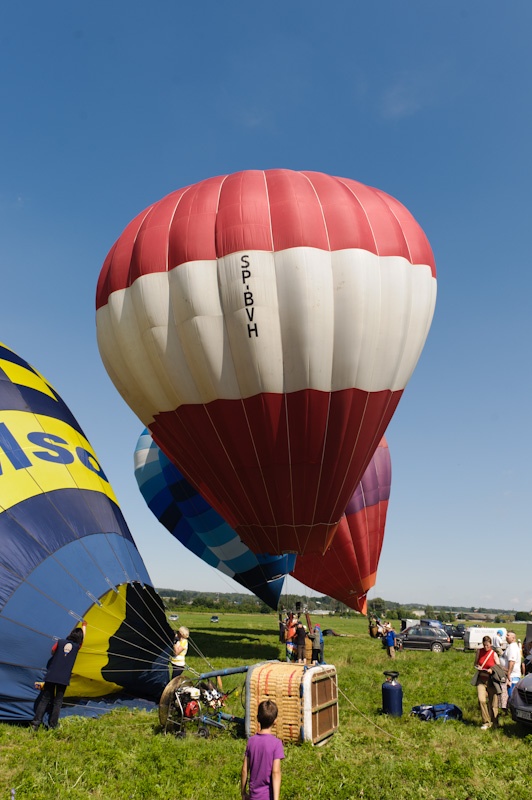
<point x="107" y="107"/>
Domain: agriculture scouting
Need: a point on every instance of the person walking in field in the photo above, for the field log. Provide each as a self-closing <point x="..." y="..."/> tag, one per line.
<point x="262" y="759"/>
<point x="488" y="700"/>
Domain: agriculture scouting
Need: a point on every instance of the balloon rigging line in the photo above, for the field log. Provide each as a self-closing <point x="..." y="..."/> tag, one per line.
<point x="269" y="210"/>
<point x="368" y="719"/>
<point x="262" y="476"/>
<point x="221" y="491"/>
<point x="237" y="476"/>
<point x="399" y="361"/>
<point x="226" y="578"/>
<point x="289" y="454"/>
<point x="123" y="622"/>
<point x="103" y="609"/>
<point x="95" y="601"/>
<point x="354" y="448"/>
<point x="93" y="652"/>
<point x="201" y="655"/>
<point x="221" y="572"/>
<point x="96" y="702"/>
<point x="329" y="395"/>
<point x="323" y="217"/>
<point x="98" y="653"/>
<point x="322" y="457"/>
<point x="68" y="524"/>
<point x="77" y="538"/>
<point x="163" y="632"/>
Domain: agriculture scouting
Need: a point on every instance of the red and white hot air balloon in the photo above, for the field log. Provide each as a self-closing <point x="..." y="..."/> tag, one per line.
<point x="348" y="570"/>
<point x="263" y="326"/>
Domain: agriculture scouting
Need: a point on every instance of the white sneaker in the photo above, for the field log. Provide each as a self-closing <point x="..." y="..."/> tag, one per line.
<point x="485" y="726"/>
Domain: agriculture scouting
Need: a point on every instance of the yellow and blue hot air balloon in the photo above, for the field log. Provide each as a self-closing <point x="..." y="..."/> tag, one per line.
<point x="192" y="521"/>
<point x="66" y="553"/>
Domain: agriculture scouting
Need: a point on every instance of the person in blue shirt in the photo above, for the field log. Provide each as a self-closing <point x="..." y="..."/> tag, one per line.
<point x="57" y="678"/>
<point x="389" y="639"/>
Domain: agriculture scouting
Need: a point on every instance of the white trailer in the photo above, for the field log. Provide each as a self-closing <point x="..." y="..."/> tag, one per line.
<point x="473" y="636"/>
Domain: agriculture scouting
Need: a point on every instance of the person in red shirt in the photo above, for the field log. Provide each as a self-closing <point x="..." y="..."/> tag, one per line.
<point x="488" y="699"/>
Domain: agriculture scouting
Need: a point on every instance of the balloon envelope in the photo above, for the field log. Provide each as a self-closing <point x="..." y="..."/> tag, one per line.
<point x="192" y="521"/>
<point x="66" y="553"/>
<point x="348" y="570"/>
<point x="263" y="326"/>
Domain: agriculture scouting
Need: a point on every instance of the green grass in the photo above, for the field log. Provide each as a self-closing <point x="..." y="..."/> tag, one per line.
<point x="123" y="755"/>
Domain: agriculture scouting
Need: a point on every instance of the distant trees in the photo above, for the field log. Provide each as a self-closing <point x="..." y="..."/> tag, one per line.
<point x="240" y="602"/>
<point x="445" y="615"/>
<point x="377" y="606"/>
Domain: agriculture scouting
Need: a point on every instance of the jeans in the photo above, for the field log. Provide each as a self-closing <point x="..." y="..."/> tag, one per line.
<point x="51" y="693"/>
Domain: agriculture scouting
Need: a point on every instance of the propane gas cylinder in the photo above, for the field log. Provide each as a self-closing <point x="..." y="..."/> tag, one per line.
<point x="392" y="695"/>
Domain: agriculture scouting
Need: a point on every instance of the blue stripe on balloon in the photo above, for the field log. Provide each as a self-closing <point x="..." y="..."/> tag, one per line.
<point x="40" y="525"/>
<point x="188" y="516"/>
<point x="24" y="646"/>
<point x="284" y="564"/>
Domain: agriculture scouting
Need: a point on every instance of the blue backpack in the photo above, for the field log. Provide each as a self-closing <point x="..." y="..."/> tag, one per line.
<point x="443" y="711"/>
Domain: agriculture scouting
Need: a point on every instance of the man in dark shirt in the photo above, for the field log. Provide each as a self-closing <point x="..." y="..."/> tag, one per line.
<point x="301" y="636"/>
<point x="57" y="678"/>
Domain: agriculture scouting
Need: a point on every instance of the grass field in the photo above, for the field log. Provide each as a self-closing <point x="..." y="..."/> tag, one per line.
<point x="124" y="755"/>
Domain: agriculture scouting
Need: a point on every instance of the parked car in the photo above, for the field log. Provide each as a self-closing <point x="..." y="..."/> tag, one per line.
<point x="215" y="618"/>
<point x="455" y="631"/>
<point x="474" y="635"/>
<point x="424" y="637"/>
<point x="520" y="703"/>
<point x="409" y="623"/>
<point x="173" y="617"/>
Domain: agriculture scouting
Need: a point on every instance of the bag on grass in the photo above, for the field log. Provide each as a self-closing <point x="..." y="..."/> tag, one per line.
<point x="443" y="711"/>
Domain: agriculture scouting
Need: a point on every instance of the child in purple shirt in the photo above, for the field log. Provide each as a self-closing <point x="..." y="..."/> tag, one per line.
<point x="262" y="759"/>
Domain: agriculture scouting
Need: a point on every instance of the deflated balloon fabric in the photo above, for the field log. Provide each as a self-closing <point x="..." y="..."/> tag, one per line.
<point x="66" y="553"/>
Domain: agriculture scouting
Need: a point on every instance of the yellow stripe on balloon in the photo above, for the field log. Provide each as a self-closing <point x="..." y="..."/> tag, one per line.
<point x="56" y="462"/>
<point x="23" y="376"/>
<point x="102" y="623"/>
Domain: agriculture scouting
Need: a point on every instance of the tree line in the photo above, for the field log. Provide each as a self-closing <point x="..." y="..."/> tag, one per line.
<point x="244" y="603"/>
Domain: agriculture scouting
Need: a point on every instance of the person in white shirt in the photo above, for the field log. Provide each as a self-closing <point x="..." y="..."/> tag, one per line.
<point x="499" y="642"/>
<point x="512" y="658"/>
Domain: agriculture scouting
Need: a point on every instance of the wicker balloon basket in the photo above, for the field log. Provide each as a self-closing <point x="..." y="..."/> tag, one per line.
<point x="306" y="697"/>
